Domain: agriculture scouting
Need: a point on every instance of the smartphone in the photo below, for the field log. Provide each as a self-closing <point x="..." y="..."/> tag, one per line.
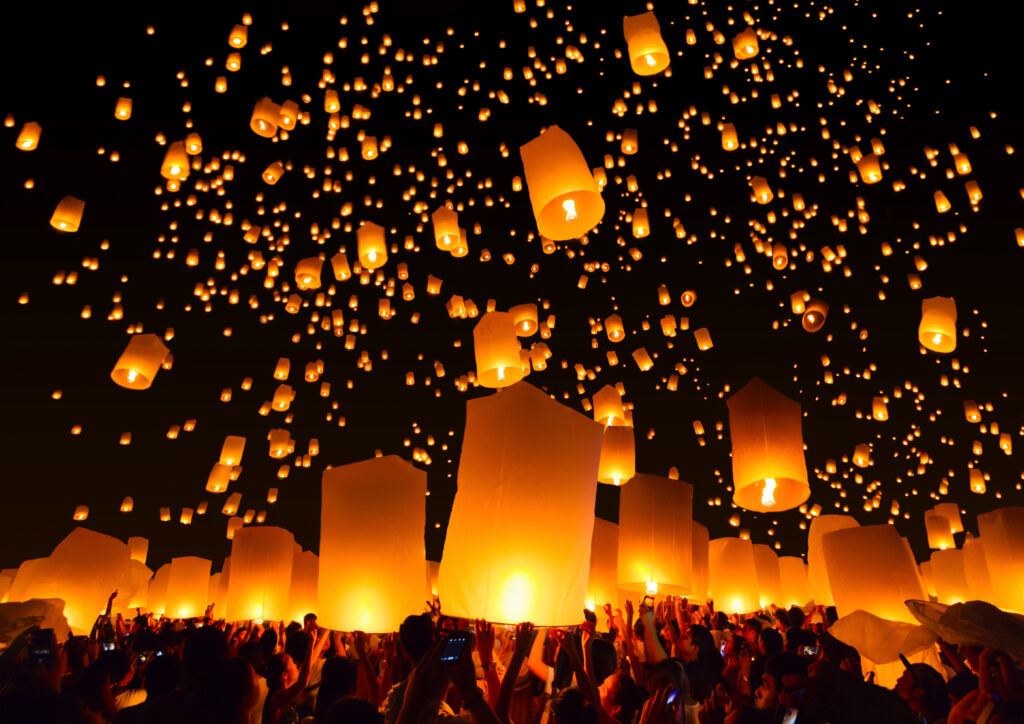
<point x="453" y="646"/>
<point x="108" y="645"/>
<point x="672" y="697"/>
<point x="789" y="717"/>
<point x="810" y="651"/>
<point x="722" y="649"/>
<point x="648" y="601"/>
<point x="40" y="646"/>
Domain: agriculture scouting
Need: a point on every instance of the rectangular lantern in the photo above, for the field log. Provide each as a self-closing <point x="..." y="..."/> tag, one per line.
<point x="305" y="570"/>
<point x="156" y="597"/>
<point x="817" y="573"/>
<point x="796" y="591"/>
<point x="187" y="587"/>
<point x="521" y="451"/>
<point x="769" y="575"/>
<point x="261" y="574"/>
<point x="701" y="573"/>
<point x="733" y="576"/>
<point x="1003" y="533"/>
<point x="602" y="582"/>
<point x="948" y="574"/>
<point x="655" y="536"/>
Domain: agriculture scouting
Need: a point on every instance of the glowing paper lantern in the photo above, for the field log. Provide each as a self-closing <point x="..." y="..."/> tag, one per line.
<point x="371" y="588"/>
<point x="648" y="53"/>
<point x="768" y="468"/>
<point x="744" y="44"/>
<point x="618" y="455"/>
<point x="937" y="330"/>
<point x="131" y="593"/>
<point x="948" y="573"/>
<point x="979" y="583"/>
<point x="939" y="535"/>
<point x="1003" y="530"/>
<point x="219" y="478"/>
<point x="655" y="536"/>
<point x="68" y="214"/>
<point x="305" y="572"/>
<point x="607" y="403"/>
<point x="281" y="443"/>
<point x="602" y="581"/>
<point x="446" y="228"/>
<point x="870" y="169"/>
<point x="175" y="166"/>
<point x="28" y="137"/>
<point x="265" y="116"/>
<point x="273" y="173"/>
<point x="814" y="315"/>
<point x="232" y="449"/>
<point x="496" y="349"/>
<point x="565" y="197"/>
<point x="769" y="575"/>
<point x="261" y="573"/>
<point x="521" y="447"/>
<point x="700" y="544"/>
<point x="525" y="318"/>
<point x="732" y="583"/>
<point x="123" y="109"/>
<point x="140" y="361"/>
<point x="138" y="549"/>
<point x="762" y="191"/>
<point x="187" y="587"/>
<point x="81" y="512"/>
<point x="156" y="597"/>
<point x="373" y="251"/>
<point x="871" y="568"/>
<point x="817" y="571"/>
<point x="795" y="588"/>
<point x="730" y="142"/>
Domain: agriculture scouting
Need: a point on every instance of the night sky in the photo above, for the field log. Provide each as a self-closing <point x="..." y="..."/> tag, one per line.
<point x="933" y="74"/>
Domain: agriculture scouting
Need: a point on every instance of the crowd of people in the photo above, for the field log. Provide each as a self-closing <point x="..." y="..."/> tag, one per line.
<point x="664" y="662"/>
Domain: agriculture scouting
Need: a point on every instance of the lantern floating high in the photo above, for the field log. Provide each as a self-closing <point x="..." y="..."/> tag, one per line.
<point x="525" y="318"/>
<point x="373" y="251"/>
<point x="446" y="228"/>
<point x="141" y="360"/>
<point x="68" y="214"/>
<point x="937" y="330"/>
<point x="265" y="116"/>
<point x="618" y="455"/>
<point x="648" y="54"/>
<point x="496" y="349"/>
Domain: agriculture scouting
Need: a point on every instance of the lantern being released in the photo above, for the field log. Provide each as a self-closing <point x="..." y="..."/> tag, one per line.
<point x="648" y="53"/>
<point x="187" y="587"/>
<point x="768" y="468"/>
<point x="565" y="197"/>
<point x="521" y="451"/>
<point x="140" y="361"/>
<point x="1003" y="530"/>
<point x="817" y="572"/>
<point x="261" y="573"/>
<point x="796" y="591"/>
<point x="733" y="575"/>
<point x="769" y="575"/>
<point x="655" y="536"/>
<point x="496" y="348"/>
<point x="937" y="330"/>
<point x="602" y="583"/>
<point x="371" y="588"/>
<point x="305" y="572"/>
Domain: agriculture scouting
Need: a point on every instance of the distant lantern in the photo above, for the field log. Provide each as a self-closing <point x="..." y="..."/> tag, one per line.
<point x="795" y="588"/>
<point x="733" y="576"/>
<point x="862" y="455"/>
<point x="744" y="44"/>
<point x="618" y="456"/>
<point x="261" y="573"/>
<point x="762" y="191"/>
<point x="780" y="256"/>
<point x="937" y="330"/>
<point x="232" y="449"/>
<point x="371" y="588"/>
<point x="520" y="447"/>
<point x="68" y="214"/>
<point x="175" y="166"/>
<point x="871" y="568"/>
<point x="187" y="587"/>
<point x="729" y="140"/>
<point x="869" y="169"/>
<point x="655" y="536"/>
<point x="446" y="228"/>
<point x="948" y="574"/>
<point x="648" y="53"/>
<point x="139" y="362"/>
<point x="941" y="202"/>
<point x="303" y="596"/>
<point x="193" y="144"/>
<point x="81" y="512"/>
<point x="768" y="467"/>
<point x="525" y="318"/>
<point x="273" y="173"/>
<point x="607" y="404"/>
<point x="496" y="349"/>
<point x="769" y="575"/>
<point x="239" y="36"/>
<point x="28" y="137"/>
<point x="641" y="226"/>
<point x="879" y="409"/>
<point x="602" y="582"/>
<point x="307" y="272"/>
<point x="951" y="511"/>
<point x="368" y="148"/>
<point x="565" y="197"/>
<point x="123" y="109"/>
<point x="1002" y="530"/>
<point x="817" y="572"/>
<point x="373" y="250"/>
<point x="613" y="328"/>
<point x="977" y="481"/>
<point x="939" y="535"/>
<point x="265" y="116"/>
<point x="814" y="315"/>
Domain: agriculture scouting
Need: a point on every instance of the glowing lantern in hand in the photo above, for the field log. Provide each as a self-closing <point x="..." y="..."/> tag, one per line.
<point x="655" y="535"/>
<point x="817" y="572"/>
<point x="733" y="575"/>
<point x="768" y="467"/>
<point x="937" y="330"/>
<point x="648" y="53"/>
<point x="948" y="573"/>
<point x="565" y="197"/>
<point x="141" y="360"/>
<point x="373" y="251"/>
<point x="496" y="348"/>
<point x="261" y="573"/>
<point x="371" y="588"/>
<point x="187" y="587"/>
<point x="68" y="214"/>
<point x="521" y="447"/>
<point x="305" y="574"/>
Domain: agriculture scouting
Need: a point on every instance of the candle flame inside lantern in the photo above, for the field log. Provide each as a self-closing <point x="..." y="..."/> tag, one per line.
<point x="570" y="209"/>
<point x="650" y="59"/>
<point x="768" y="494"/>
<point x="652" y="588"/>
<point x="132" y="374"/>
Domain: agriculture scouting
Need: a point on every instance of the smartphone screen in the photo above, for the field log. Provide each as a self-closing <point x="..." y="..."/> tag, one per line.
<point x="453" y="647"/>
<point x="108" y="645"/>
<point x="790" y="716"/>
<point x="41" y="646"/>
<point x="672" y="697"/>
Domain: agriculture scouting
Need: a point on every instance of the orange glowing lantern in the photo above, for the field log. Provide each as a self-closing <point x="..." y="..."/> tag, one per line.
<point x="138" y="364"/>
<point x="265" y="116"/>
<point x="618" y="455"/>
<point x="446" y="228"/>
<point x="732" y="583"/>
<point x="602" y="582"/>
<point x="175" y="166"/>
<point x="496" y="349"/>
<point x="817" y="572"/>
<point x="373" y="250"/>
<point x="744" y="44"/>
<point x="1003" y="530"/>
<point x="937" y="330"/>
<point x="68" y="214"/>
<point x="261" y="573"/>
<point x="305" y="575"/>
<point x="648" y="53"/>
<point x="814" y="315"/>
<point x="187" y="587"/>
<point x="769" y="575"/>
<point x="940" y="537"/>
<point x="655" y="536"/>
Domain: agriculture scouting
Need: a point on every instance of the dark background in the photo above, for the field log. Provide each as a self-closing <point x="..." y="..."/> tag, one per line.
<point x="52" y="54"/>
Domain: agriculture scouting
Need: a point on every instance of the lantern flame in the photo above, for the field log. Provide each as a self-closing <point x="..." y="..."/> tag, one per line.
<point x="570" y="209"/>
<point x="768" y="494"/>
<point x="937" y="338"/>
<point x="650" y="59"/>
<point x="132" y="374"/>
<point x="501" y="373"/>
<point x="652" y="588"/>
<point x="371" y="255"/>
<point x="615" y="477"/>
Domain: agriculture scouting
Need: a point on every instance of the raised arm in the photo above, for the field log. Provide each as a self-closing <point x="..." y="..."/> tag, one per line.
<point x="359" y="644"/>
<point x="485" y="649"/>
<point x="525" y="635"/>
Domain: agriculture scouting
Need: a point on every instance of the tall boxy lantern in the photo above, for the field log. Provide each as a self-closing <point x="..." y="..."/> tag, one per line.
<point x="939" y="535"/>
<point x="769" y="575"/>
<point x="979" y="583"/>
<point x="733" y="580"/>
<point x="188" y="587"/>
<point x="618" y="455"/>
<point x="140" y="361"/>
<point x="768" y="468"/>
<point x="446" y="228"/>
<point x="602" y="583"/>
<point x="817" y="573"/>
<point x="948" y="573"/>
<point x="68" y="214"/>
<point x="364" y="587"/>
<point x="648" y="53"/>
<point x="937" y="330"/>
<point x="261" y="573"/>
<point x="565" y="197"/>
<point x="156" y="596"/>
<point x="521" y="451"/>
<point x="496" y="348"/>
<point x="305" y="576"/>
<point x="796" y="591"/>
<point x="872" y="569"/>
<point x="1003" y="533"/>
<point x="373" y="250"/>
<point x="655" y="536"/>
<point x="701" y="543"/>
<point x="951" y="511"/>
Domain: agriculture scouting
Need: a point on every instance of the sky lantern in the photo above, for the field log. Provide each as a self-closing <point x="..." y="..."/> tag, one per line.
<point x="521" y="447"/>
<point x="156" y="595"/>
<point x="979" y="582"/>
<point x="655" y="536"/>
<point x="762" y="191"/>
<point x="307" y="272"/>
<point x="607" y="404"/>
<point x="613" y="328"/>
<point x="446" y="228"/>
<point x="1002" y="530"/>
<point x="175" y="166"/>
<point x="618" y="455"/>
<point x="732" y="583"/>
<point x="81" y="512"/>
<point x="138" y="548"/>
<point x="219" y="478"/>
<point x="648" y="54"/>
<point x="814" y="315"/>
<point x="68" y="214"/>
<point x="768" y="467"/>
<point x="948" y="574"/>
<point x="261" y="573"/>
<point x="187" y="587"/>
<point x="273" y="173"/>
<point x="870" y="169"/>
<point x="641" y="225"/>
<point x="139" y="362"/>
<point x="817" y="572"/>
<point x="28" y="137"/>
<point x="373" y="250"/>
<point x="265" y="116"/>
<point x="940" y="537"/>
<point x="565" y="198"/>
<point x="305" y="573"/>
<point x="239" y="36"/>
<point x="123" y="109"/>
<point x="193" y="144"/>
<point x="769" y="575"/>
<point x="744" y="44"/>
<point x="794" y="586"/>
<point x="630" y="144"/>
<point x="699" y="549"/>
<point x="496" y="349"/>
<point x="937" y="330"/>
<point x="525" y="318"/>
<point x="231" y="450"/>
<point x="602" y="582"/>
<point x="730" y="142"/>
<point x="951" y="511"/>
<point x="871" y="568"/>
<point x="371" y="588"/>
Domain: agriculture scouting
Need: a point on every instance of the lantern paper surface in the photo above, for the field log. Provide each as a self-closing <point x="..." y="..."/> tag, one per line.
<point x="817" y="572"/>
<point x="769" y="575"/>
<point x="261" y="573"/>
<point x="796" y="590"/>
<point x="1003" y="533"/>
<point x="648" y="53"/>
<point x="156" y="597"/>
<point x="374" y="587"/>
<point x="939" y="535"/>
<point x="979" y="584"/>
<point x="305" y="573"/>
<point x="522" y="452"/>
<point x="948" y="574"/>
<point x="140" y="361"/>
<point x="700" y="562"/>
<point x="937" y="330"/>
<point x="602" y="583"/>
<point x="768" y="468"/>
<point x="951" y="511"/>
<point x="187" y="587"/>
<point x="733" y="575"/>
<point x="655" y="535"/>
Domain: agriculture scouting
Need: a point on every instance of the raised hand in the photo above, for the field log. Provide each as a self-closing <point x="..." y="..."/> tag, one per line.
<point x="484" y="641"/>
<point x="359" y="643"/>
<point x="526" y="633"/>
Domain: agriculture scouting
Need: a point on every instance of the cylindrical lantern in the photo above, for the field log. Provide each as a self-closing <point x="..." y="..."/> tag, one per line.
<point x="730" y="141"/>
<point x="732" y="583"/>
<point x="618" y="455"/>
<point x="607" y="403"/>
<point x="281" y="443"/>
<point x="762" y="191"/>
<point x="814" y="315"/>
<point x="232" y="449"/>
<point x="979" y="583"/>
<point x="940" y="537"/>
<point x="951" y="511"/>
<point x="769" y="575"/>
<point x="371" y="588"/>
<point x="373" y="250"/>
<point x="641" y="225"/>
<point x="305" y="575"/>
<point x="613" y="328"/>
<point x="701" y="571"/>
<point x="156" y="596"/>
<point x="872" y="569"/>
<point x="123" y="109"/>
<point x="138" y="549"/>
<point x="870" y="169"/>
<point x="521" y="451"/>
<point x="565" y="198"/>
<point x="768" y="468"/>
<point x="273" y="173"/>
<point x="655" y="535"/>
<point x="796" y="590"/>
<point x="140" y="361"/>
<point x="948" y="573"/>
<point x="937" y="330"/>
<point x="261" y="573"/>
<point x="648" y="53"/>
<point x="187" y="587"/>
<point x="525" y="318"/>
<point x="446" y="228"/>
<point x="28" y="137"/>
<point x="602" y="582"/>
<point x="744" y="44"/>
<point x="219" y="478"/>
<point x="1003" y="530"/>
<point x="817" y="572"/>
<point x="496" y="349"/>
<point x="175" y="166"/>
<point x="68" y="214"/>
<point x="265" y="116"/>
